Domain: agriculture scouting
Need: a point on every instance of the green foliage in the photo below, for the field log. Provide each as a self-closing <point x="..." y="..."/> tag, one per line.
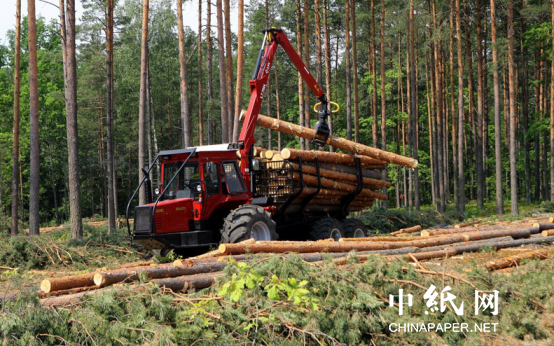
<point x="352" y="308"/>
<point x="54" y="249"/>
<point x="384" y="221"/>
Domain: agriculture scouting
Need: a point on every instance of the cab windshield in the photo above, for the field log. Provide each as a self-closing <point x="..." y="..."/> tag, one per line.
<point x="186" y="184"/>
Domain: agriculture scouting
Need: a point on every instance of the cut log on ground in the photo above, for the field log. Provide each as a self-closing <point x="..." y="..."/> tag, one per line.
<point x="104" y="279"/>
<point x="427" y="233"/>
<point x="548" y="233"/>
<point x="544" y="226"/>
<point x="426" y="255"/>
<point x="408" y="230"/>
<point x="466" y="224"/>
<point x="341" y="143"/>
<point x="382" y="238"/>
<point x="326" y="156"/>
<point x="175" y="284"/>
<point x="514" y="260"/>
<point x="67" y="282"/>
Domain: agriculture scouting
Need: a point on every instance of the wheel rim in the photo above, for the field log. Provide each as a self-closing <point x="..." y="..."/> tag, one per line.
<point x="260" y="231"/>
<point x="335" y="234"/>
<point x="359" y="233"/>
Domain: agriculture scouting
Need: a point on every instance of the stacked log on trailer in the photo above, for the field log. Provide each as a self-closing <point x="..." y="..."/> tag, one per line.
<point x="321" y="180"/>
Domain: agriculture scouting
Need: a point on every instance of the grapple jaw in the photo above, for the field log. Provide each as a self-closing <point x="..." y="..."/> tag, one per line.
<point x="322" y="131"/>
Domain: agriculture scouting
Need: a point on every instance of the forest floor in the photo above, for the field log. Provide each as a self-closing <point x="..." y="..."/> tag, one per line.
<point x="278" y="300"/>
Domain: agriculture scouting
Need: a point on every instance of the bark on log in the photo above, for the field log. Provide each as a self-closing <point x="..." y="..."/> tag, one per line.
<point x="466" y="224"/>
<point x="326" y="156"/>
<point x="316" y="208"/>
<point x="544" y="226"/>
<point x="301" y="248"/>
<point x="341" y="176"/>
<point x="306" y="191"/>
<point x="312" y="180"/>
<point x="341" y="143"/>
<point x="407" y="230"/>
<point x="337" y="202"/>
<point x="514" y="260"/>
<point x="421" y="256"/>
<point x="471" y="246"/>
<point x="176" y="284"/>
<point x="104" y="279"/>
<point x="370" y="173"/>
<point x="381" y="238"/>
<point x="67" y="282"/>
<point x="427" y="233"/>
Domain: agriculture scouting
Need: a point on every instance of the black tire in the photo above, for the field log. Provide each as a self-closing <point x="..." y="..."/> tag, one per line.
<point x="326" y="228"/>
<point x="354" y="228"/>
<point x="246" y="222"/>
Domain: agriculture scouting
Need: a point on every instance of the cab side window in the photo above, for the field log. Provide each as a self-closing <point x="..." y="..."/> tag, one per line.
<point x="211" y="177"/>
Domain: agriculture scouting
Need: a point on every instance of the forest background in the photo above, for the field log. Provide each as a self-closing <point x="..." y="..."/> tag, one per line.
<point x="464" y="86"/>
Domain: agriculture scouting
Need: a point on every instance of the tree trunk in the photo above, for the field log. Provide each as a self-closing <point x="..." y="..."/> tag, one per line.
<point x="222" y="74"/>
<point x="461" y="182"/>
<point x="413" y="109"/>
<point x="240" y="73"/>
<point x="453" y="109"/>
<point x="109" y="117"/>
<point x="552" y="117"/>
<point x="210" y="76"/>
<point x="348" y="72"/>
<point x="319" y="66"/>
<point x="142" y="98"/>
<point x="479" y="160"/>
<point x="200" y="81"/>
<point x="306" y="46"/>
<point x="300" y="81"/>
<point x="34" y="195"/>
<point x="16" y="92"/>
<point x="185" y="111"/>
<point x="439" y="96"/>
<point x="383" y="93"/>
<point x="497" y="116"/>
<point x="511" y="83"/>
<point x="373" y="72"/>
<point x="71" y="118"/>
<point x="327" y="64"/>
<point x="229" y="68"/>
<point x="524" y="109"/>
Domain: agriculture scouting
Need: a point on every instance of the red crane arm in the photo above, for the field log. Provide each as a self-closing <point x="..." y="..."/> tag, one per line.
<point x="273" y="38"/>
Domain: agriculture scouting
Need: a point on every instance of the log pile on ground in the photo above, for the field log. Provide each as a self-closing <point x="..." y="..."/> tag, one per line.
<point x="328" y="183"/>
<point x="201" y="271"/>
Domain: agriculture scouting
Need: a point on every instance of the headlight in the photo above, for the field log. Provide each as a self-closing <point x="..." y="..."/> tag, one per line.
<point x="199" y="188"/>
<point x="143" y="220"/>
<point x="255" y="164"/>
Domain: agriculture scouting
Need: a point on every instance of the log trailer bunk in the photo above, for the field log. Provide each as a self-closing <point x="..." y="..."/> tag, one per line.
<point x="206" y="196"/>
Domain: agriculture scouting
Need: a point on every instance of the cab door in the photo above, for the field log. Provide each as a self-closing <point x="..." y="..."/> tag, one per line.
<point x="211" y="185"/>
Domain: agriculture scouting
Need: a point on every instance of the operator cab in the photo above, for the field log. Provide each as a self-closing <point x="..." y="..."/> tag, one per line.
<point x="197" y="184"/>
